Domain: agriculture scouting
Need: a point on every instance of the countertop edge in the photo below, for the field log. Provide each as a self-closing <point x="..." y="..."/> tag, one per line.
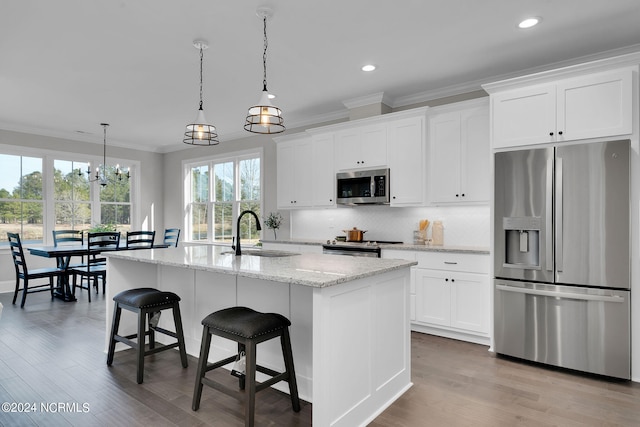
<point x="400" y="247"/>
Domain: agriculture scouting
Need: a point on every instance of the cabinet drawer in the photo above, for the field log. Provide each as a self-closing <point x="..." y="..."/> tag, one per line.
<point x="450" y="261"/>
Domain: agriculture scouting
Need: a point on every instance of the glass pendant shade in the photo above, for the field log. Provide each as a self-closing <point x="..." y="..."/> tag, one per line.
<point x="200" y="132"/>
<point x="264" y="117"/>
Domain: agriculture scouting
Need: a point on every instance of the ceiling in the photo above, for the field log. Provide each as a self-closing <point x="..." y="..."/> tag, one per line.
<point x="68" y="65"/>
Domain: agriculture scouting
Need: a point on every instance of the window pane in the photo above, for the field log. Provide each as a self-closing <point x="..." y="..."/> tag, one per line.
<point x="223" y="185"/>
<point x="11" y="173"/>
<point x="70" y="181"/>
<point x="24" y="218"/>
<point x="72" y="215"/>
<point x="116" y="190"/>
<point x="223" y="222"/>
<point x="250" y="179"/>
<point x="199" y="223"/>
<point x="200" y="184"/>
<point x="31" y="178"/>
<point x="248" y="231"/>
<point x="119" y="215"/>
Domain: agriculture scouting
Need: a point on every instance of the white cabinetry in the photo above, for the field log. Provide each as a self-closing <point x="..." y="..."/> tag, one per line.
<point x="294" y="179"/>
<point x="322" y="169"/>
<point x="590" y="106"/>
<point x="460" y="153"/>
<point x="407" y="158"/>
<point x="361" y="147"/>
<point x="449" y="294"/>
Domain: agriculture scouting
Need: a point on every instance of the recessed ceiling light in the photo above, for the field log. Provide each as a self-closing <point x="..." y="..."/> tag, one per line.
<point x="529" y="22"/>
<point x="368" y="67"/>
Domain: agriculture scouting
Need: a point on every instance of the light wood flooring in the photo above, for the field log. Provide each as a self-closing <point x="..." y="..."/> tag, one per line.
<point x="51" y="353"/>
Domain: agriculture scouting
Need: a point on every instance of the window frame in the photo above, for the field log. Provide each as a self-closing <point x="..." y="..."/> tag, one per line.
<point x="49" y="157"/>
<point x="236" y="157"/>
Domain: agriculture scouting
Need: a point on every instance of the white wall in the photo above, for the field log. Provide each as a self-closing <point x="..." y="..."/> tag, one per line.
<point x="463" y="225"/>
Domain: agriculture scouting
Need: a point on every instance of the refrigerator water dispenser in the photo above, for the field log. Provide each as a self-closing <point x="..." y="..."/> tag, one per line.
<point x="522" y="242"/>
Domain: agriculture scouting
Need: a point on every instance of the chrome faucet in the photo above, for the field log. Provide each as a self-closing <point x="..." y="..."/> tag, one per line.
<point x="237" y="246"/>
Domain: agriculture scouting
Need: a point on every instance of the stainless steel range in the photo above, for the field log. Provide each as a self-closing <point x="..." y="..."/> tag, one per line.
<point x="366" y="248"/>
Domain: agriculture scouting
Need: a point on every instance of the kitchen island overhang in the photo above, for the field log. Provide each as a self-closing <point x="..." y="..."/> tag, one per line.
<point x="350" y="317"/>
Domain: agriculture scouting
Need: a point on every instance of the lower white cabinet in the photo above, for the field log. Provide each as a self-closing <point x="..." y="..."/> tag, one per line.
<point x="452" y="299"/>
<point x="450" y="294"/>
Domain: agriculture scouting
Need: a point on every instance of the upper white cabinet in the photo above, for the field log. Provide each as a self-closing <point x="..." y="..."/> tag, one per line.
<point x="294" y="180"/>
<point x="322" y="169"/>
<point x="361" y="147"/>
<point x="589" y="106"/>
<point x="460" y="153"/>
<point x="406" y="154"/>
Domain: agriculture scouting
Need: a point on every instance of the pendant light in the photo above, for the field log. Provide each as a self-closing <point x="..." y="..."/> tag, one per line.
<point x="200" y="132"/>
<point x="101" y="171"/>
<point x="264" y="117"/>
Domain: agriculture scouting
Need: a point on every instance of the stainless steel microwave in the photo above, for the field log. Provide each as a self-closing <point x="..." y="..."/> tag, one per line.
<point x="362" y="187"/>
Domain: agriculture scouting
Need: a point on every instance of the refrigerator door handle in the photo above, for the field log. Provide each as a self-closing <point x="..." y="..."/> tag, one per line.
<point x="563" y="295"/>
<point x="559" y="218"/>
<point x="549" y="215"/>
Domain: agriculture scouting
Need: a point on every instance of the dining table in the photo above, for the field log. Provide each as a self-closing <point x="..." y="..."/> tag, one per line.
<point x="63" y="255"/>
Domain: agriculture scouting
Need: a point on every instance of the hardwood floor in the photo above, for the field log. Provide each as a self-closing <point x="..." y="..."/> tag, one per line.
<point x="51" y="353"/>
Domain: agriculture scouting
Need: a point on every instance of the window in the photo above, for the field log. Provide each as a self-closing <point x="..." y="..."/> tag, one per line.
<point x="40" y="193"/>
<point x="21" y="197"/>
<point x="115" y="202"/>
<point x="218" y="191"/>
<point x="72" y="196"/>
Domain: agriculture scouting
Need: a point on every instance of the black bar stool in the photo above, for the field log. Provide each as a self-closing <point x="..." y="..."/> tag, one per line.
<point x="147" y="303"/>
<point x="248" y="328"/>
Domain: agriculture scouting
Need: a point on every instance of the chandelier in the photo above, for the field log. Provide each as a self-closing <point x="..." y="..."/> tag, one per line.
<point x="102" y="174"/>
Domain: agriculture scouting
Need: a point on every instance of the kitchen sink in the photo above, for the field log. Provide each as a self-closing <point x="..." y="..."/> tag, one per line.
<point x="262" y="252"/>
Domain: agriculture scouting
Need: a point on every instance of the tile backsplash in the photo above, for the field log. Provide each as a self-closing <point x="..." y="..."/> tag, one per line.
<point x="463" y="225"/>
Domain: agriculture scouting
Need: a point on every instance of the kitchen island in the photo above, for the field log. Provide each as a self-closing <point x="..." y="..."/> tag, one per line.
<point x="350" y="327"/>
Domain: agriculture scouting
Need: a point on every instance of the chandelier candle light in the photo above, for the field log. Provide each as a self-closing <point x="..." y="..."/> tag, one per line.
<point x="201" y="132"/>
<point x="101" y="171"/>
<point x="264" y="117"/>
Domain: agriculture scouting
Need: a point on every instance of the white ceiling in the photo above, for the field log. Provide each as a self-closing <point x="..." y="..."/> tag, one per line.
<point x="67" y="65"/>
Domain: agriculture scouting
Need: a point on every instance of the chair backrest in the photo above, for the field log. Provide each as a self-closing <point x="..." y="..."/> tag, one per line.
<point x="103" y="240"/>
<point x="17" y="254"/>
<point x="171" y="236"/>
<point x="140" y="239"/>
<point x="68" y="237"/>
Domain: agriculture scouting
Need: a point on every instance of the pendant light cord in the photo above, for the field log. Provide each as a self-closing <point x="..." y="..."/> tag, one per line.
<point x="201" y="56"/>
<point x="264" y="56"/>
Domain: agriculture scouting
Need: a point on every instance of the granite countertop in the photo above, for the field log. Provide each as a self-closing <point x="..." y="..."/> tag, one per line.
<point x="314" y="270"/>
<point x="402" y="247"/>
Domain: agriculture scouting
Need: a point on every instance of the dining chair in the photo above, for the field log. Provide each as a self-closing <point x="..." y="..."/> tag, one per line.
<point x="140" y="239"/>
<point x="171" y="236"/>
<point x="24" y="274"/>
<point x="68" y="237"/>
<point x="95" y="267"/>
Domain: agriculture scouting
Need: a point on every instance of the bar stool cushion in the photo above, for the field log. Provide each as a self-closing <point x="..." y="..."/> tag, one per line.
<point x="145" y="297"/>
<point x="245" y="322"/>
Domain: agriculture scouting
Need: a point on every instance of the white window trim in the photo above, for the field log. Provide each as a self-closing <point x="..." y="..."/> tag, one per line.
<point x="187" y="164"/>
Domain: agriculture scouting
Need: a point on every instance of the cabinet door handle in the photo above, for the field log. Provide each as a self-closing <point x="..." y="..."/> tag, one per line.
<point x="550" y="133"/>
<point x="462" y="194"/>
<point x="560" y="133"/>
<point x="446" y="279"/>
<point x="452" y="280"/>
<point x="450" y="262"/>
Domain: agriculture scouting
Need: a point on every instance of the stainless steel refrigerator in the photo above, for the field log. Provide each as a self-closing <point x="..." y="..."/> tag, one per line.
<point x="561" y="253"/>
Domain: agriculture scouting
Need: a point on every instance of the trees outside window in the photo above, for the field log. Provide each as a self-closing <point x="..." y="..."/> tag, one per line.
<point x="32" y="187"/>
<point x="21" y="198"/>
<point x="218" y="191"/>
